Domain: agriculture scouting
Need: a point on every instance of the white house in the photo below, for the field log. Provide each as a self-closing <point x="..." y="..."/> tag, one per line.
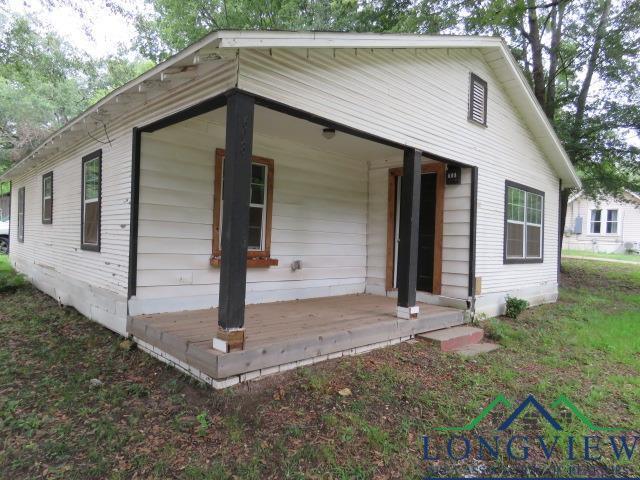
<point x="609" y="226"/>
<point x="417" y="169"/>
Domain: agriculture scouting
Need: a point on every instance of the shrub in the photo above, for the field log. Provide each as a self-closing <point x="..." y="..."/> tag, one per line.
<point x="515" y="306"/>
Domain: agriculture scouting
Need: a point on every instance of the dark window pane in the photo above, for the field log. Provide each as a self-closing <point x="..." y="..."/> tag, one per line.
<point x="47" y="207"/>
<point x="533" y="241"/>
<point x="47" y="187"/>
<point x="257" y="194"/>
<point x="255" y="227"/>
<point x="257" y="174"/>
<point x="515" y="234"/>
<point x="91" y="219"/>
<point x="21" y="214"/>
<point x="91" y="179"/>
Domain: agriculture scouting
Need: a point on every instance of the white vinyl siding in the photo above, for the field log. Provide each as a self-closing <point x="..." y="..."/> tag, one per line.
<point x="319" y="217"/>
<point x="95" y="283"/>
<point x="420" y="97"/>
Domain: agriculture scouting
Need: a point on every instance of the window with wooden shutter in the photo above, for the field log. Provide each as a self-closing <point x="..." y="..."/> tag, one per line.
<point x="478" y="100"/>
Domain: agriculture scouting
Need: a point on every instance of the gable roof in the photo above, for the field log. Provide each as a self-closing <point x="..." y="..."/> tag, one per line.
<point x="494" y="49"/>
<point x="632" y="195"/>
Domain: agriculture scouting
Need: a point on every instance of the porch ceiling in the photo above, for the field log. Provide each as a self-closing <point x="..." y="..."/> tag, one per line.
<point x="274" y="124"/>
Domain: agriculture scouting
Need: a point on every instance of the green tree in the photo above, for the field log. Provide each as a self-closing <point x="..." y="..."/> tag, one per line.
<point x="175" y="24"/>
<point x="581" y="58"/>
<point x="44" y="83"/>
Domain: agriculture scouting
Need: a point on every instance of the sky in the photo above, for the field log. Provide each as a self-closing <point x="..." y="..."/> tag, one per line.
<point x="100" y="32"/>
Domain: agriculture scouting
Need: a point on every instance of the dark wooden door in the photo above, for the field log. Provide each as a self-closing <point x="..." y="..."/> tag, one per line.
<point x="426" y="242"/>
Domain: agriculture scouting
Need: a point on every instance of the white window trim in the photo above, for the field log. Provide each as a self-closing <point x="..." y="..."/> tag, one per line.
<point x="607" y="222"/>
<point x="263" y="206"/>
<point x="47" y="197"/>
<point x="604" y="215"/>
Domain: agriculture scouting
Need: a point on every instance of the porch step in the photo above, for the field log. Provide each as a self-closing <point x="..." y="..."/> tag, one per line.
<point x="450" y="339"/>
<point x="476" y="349"/>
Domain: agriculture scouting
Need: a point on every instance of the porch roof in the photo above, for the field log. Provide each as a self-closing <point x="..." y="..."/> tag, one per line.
<point x="217" y="46"/>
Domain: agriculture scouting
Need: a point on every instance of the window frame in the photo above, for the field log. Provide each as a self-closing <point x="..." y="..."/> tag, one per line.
<point x="609" y="222"/>
<point x="21" y="213"/>
<point x="255" y="257"/>
<point x="94" y="247"/>
<point x="592" y="222"/>
<point x="472" y="79"/>
<point x="45" y="220"/>
<point x="524" y="259"/>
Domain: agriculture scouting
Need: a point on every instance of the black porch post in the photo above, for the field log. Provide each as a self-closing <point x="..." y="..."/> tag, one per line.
<point x="235" y="222"/>
<point x="409" y="225"/>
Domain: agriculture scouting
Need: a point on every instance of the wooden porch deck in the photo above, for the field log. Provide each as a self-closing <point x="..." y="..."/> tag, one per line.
<point x="284" y="332"/>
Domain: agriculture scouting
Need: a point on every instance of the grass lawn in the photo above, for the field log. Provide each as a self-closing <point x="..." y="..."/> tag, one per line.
<point x="147" y="420"/>
<point x="612" y="256"/>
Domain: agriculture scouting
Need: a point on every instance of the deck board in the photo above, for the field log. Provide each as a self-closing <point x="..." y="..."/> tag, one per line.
<point x="283" y="332"/>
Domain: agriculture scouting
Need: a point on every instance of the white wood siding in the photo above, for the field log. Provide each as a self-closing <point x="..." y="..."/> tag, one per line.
<point x="319" y="217"/>
<point x="420" y="97"/>
<point x="93" y="282"/>
<point x="628" y="225"/>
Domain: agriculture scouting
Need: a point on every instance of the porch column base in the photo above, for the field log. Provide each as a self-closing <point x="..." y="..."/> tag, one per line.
<point x="229" y="340"/>
<point x="408" y="313"/>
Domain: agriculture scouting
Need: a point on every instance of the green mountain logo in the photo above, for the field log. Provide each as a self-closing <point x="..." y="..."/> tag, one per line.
<point x="530" y="401"/>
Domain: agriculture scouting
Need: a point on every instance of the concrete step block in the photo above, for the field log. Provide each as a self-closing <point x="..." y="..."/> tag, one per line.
<point x="450" y="339"/>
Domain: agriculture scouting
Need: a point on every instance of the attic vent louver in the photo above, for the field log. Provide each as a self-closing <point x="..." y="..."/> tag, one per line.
<point x="478" y="100"/>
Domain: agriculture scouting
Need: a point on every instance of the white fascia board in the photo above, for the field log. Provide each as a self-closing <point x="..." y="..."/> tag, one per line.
<point x="257" y="39"/>
<point x="540" y="123"/>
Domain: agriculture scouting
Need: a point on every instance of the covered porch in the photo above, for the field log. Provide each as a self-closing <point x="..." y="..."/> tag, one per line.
<point x="267" y="237"/>
<point x="283" y="335"/>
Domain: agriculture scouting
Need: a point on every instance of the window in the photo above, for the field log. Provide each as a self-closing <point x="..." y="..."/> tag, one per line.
<point x="478" y="100"/>
<point x="260" y="207"/>
<point x="596" y="221"/>
<point x="47" y="198"/>
<point x="612" y="221"/>
<point x="91" y="191"/>
<point x="21" y="214"/>
<point x="524" y="224"/>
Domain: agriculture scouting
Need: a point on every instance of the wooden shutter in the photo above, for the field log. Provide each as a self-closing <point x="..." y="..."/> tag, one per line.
<point x="478" y="100"/>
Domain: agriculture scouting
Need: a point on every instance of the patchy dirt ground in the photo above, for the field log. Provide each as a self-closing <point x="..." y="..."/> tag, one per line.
<point x="75" y="404"/>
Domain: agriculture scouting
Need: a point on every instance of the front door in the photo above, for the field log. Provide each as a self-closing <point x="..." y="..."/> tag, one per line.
<point x="427" y="230"/>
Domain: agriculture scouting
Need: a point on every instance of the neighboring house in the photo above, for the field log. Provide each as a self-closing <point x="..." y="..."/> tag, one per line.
<point x="608" y="226"/>
<point x="418" y="169"/>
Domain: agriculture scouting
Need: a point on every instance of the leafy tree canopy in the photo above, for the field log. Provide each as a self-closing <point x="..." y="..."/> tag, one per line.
<point x="44" y="83"/>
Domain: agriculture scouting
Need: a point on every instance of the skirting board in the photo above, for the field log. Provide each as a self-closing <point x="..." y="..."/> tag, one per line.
<point x="256" y="375"/>
<point x="102" y="306"/>
<point x="494" y="304"/>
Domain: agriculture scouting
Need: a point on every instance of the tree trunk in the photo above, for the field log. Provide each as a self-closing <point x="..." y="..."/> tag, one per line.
<point x="537" y="72"/>
<point x="581" y="101"/>
<point x="564" y="203"/>
<point x="557" y="16"/>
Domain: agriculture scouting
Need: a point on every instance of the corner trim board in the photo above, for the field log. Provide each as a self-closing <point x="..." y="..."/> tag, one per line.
<point x="134" y="211"/>
<point x="472" y="233"/>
